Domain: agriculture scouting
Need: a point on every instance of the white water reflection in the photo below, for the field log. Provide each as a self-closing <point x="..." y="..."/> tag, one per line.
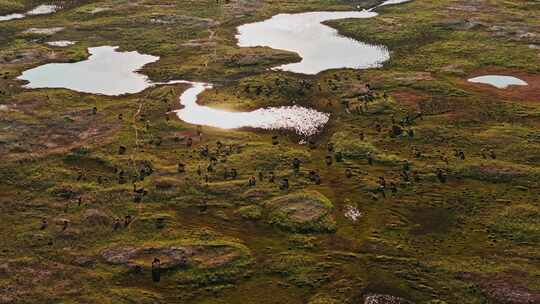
<point x="39" y="10"/>
<point x="303" y="121"/>
<point x="393" y="2"/>
<point x="106" y="72"/>
<point x="61" y="43"/>
<point x="499" y="81"/>
<point x="320" y="46"/>
<point x="109" y="72"/>
<point x="11" y="17"/>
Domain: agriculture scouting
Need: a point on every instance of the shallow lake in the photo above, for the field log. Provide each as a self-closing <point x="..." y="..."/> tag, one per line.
<point x="106" y="71"/>
<point x="110" y="72"/>
<point x="498" y="81"/>
<point x="61" y="43"/>
<point x="320" y="46"/>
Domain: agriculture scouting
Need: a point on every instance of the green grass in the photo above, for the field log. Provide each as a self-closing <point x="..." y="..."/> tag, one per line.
<point x="412" y="243"/>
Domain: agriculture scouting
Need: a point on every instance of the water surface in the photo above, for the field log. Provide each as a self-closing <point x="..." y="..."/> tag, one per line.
<point x="11" y="17"/>
<point x="393" y="2"/>
<point x="303" y="121"/>
<point x="106" y="71"/>
<point x="320" y="46"/>
<point x="38" y="10"/>
<point x="499" y="81"/>
<point x="110" y="72"/>
<point x="61" y="43"/>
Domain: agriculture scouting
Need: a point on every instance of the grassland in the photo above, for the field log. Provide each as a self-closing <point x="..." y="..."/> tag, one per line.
<point x="472" y="239"/>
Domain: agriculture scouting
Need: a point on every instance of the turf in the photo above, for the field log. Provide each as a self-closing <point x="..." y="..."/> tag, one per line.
<point x="460" y="241"/>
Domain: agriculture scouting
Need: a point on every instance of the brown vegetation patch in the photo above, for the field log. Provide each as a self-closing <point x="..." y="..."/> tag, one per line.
<point x="22" y="281"/>
<point x="26" y="56"/>
<point x="523" y="94"/>
<point x="409" y="97"/>
<point x="504" y="287"/>
<point x="201" y="256"/>
<point x="23" y="140"/>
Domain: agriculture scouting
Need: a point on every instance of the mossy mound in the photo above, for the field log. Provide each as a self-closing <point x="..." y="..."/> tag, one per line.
<point x="323" y="299"/>
<point x="520" y="223"/>
<point x="95" y="217"/>
<point x="354" y="148"/>
<point x="307" y="211"/>
<point x="182" y="255"/>
<point x="251" y="212"/>
<point x="303" y="270"/>
<point x="168" y="184"/>
<point x="132" y="295"/>
<point x="151" y="222"/>
<point x="497" y="172"/>
<point x="268" y="158"/>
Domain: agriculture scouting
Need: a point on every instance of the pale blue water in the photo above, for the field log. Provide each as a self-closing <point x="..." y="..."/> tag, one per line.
<point x="498" y="81"/>
<point x="106" y="71"/>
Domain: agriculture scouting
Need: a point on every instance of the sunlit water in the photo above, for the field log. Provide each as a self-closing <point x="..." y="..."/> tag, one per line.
<point x="319" y="46"/>
<point x="393" y="2"/>
<point x="61" y="43"/>
<point x="303" y="121"/>
<point x="106" y="72"/>
<point x="499" y="81"/>
<point x="38" y="10"/>
<point x="110" y="72"/>
<point x="11" y="17"/>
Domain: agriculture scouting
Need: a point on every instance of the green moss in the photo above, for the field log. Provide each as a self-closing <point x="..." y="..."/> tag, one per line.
<point x="353" y="147"/>
<point x="150" y="223"/>
<point x="496" y="171"/>
<point x="410" y="243"/>
<point x="307" y="211"/>
<point x="251" y="212"/>
<point x="519" y="223"/>
<point x="323" y="299"/>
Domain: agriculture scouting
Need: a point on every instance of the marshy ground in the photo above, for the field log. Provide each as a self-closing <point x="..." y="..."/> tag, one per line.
<point x="92" y="187"/>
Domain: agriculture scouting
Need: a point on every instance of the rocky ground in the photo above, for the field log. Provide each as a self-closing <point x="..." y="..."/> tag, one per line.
<point x="82" y="223"/>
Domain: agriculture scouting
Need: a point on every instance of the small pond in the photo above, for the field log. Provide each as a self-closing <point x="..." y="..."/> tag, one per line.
<point x="106" y="72"/>
<point x="303" y="121"/>
<point x="498" y="81"/>
<point x="110" y="72"/>
<point x="319" y="45"/>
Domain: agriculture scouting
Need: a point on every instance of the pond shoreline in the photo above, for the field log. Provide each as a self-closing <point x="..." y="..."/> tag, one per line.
<point x="304" y="121"/>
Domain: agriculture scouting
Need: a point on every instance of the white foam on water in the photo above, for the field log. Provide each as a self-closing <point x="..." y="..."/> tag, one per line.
<point x="61" y="43"/>
<point x="303" y="121"/>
